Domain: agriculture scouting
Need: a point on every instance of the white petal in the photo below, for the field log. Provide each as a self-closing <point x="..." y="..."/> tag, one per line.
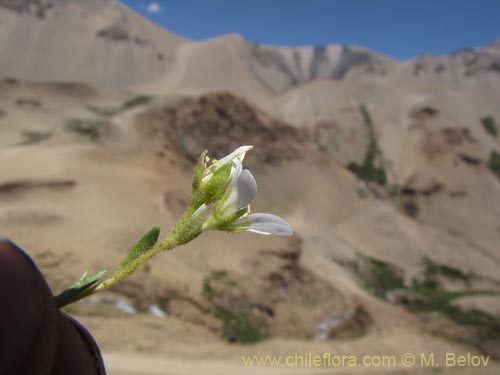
<point x="229" y="205"/>
<point x="243" y="189"/>
<point x="236" y="169"/>
<point x="238" y="154"/>
<point x="236" y="157"/>
<point x="264" y="224"/>
<point x="246" y="188"/>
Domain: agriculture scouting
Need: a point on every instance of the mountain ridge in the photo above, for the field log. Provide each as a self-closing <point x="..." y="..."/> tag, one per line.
<point x="127" y="45"/>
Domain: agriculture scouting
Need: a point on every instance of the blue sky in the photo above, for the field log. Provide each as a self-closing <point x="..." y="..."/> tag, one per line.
<point x="401" y="29"/>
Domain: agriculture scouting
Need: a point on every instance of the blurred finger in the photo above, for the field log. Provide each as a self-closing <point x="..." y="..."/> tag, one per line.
<point x="28" y="315"/>
<point x="78" y="353"/>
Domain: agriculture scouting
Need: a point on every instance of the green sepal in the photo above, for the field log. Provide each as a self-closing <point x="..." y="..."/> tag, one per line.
<point x="83" y="287"/>
<point x="141" y="248"/>
<point x="215" y="221"/>
<point x="189" y="227"/>
<point x="214" y="188"/>
<point x="199" y="170"/>
<point x="232" y="218"/>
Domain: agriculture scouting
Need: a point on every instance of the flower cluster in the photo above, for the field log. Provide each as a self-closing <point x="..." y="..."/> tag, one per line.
<point x="231" y="189"/>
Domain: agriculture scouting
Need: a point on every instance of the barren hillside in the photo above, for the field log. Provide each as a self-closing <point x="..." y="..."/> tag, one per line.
<point x="388" y="171"/>
<point x="100" y="42"/>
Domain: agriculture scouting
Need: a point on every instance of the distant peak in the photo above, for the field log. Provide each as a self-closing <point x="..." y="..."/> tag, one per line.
<point x="495" y="44"/>
<point x="35" y="7"/>
<point x="40" y="8"/>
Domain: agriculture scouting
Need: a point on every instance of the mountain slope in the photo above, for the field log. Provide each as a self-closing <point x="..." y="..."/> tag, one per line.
<point x="386" y="171"/>
<point x="96" y="42"/>
<point x="106" y="44"/>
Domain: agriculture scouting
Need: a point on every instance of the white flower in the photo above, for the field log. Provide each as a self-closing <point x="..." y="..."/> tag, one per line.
<point x="232" y="213"/>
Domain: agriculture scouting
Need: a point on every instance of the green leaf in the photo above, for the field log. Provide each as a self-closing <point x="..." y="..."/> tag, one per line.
<point x="83" y="287"/>
<point x="145" y="243"/>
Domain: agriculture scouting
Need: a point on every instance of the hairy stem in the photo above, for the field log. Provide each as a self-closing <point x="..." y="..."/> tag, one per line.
<point x="176" y="237"/>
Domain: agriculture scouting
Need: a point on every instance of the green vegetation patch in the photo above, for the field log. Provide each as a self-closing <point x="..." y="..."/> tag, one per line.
<point x="34" y="136"/>
<point x="434" y="270"/>
<point x="129" y="104"/>
<point x="241" y="326"/>
<point x="103" y="111"/>
<point x="88" y="128"/>
<point x="434" y="298"/>
<point x="494" y="163"/>
<point x="218" y="284"/>
<point x="377" y="276"/>
<point x="427" y="293"/>
<point x="136" y="101"/>
<point x="239" y="323"/>
<point x="372" y="168"/>
<point x="382" y="277"/>
<point x="490" y="126"/>
<point x="489" y="324"/>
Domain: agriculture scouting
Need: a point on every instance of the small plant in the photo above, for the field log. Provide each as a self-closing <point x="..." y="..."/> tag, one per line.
<point x="382" y="277"/>
<point x="242" y="326"/>
<point x="377" y="276"/>
<point x="490" y="126"/>
<point x="221" y="195"/>
<point x="102" y="111"/>
<point x="239" y="324"/>
<point x="218" y="284"/>
<point x="433" y="269"/>
<point x="88" y="128"/>
<point x="494" y="163"/>
<point x="33" y="136"/>
<point x="129" y="104"/>
<point x="136" y="101"/>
